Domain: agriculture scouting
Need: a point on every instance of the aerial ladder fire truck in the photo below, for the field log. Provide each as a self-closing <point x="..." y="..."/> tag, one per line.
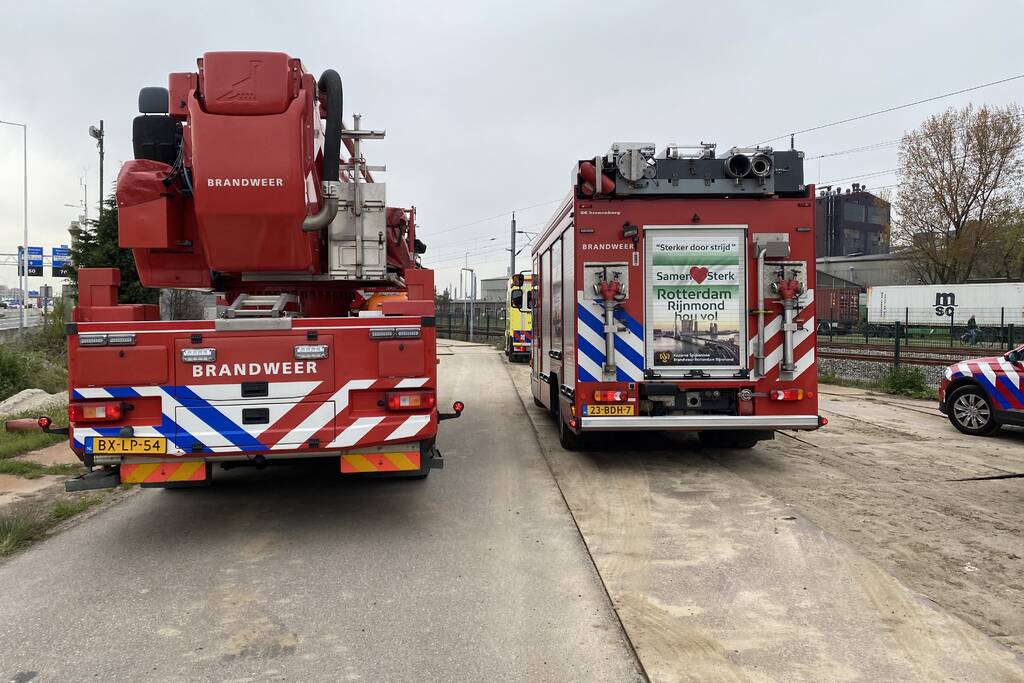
<point x="239" y="187"/>
<point x="676" y="293"/>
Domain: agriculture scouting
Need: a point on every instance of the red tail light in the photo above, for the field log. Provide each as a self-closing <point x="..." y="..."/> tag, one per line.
<point x="609" y="396"/>
<point x="410" y="400"/>
<point x="106" y="411"/>
<point x="786" y="394"/>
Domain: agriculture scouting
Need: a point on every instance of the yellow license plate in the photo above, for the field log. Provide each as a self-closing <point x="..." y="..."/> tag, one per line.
<point x="607" y="410"/>
<point x="116" y="445"/>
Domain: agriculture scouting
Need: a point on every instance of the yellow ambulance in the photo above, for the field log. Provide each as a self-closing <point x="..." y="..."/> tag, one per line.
<point x="519" y="317"/>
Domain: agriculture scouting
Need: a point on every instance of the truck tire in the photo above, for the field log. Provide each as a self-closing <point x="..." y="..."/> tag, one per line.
<point x="970" y="411"/>
<point x="717" y="439"/>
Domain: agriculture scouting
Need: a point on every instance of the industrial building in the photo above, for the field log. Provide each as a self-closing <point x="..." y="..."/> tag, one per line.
<point x="853" y="222"/>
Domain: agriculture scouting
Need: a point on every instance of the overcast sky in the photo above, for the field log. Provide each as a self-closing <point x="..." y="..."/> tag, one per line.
<point x="487" y="105"/>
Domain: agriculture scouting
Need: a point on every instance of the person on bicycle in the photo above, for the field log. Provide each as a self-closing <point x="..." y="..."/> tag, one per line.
<point x="972" y="329"/>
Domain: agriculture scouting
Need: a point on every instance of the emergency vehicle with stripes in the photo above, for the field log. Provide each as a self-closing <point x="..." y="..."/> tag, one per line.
<point x="322" y="343"/>
<point x="519" y="317"/>
<point x="675" y="291"/>
<point x="982" y="394"/>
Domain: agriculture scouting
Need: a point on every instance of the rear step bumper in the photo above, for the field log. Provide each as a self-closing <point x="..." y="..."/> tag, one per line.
<point x="683" y="422"/>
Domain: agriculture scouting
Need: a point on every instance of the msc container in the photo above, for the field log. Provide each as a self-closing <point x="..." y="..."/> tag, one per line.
<point x="991" y="304"/>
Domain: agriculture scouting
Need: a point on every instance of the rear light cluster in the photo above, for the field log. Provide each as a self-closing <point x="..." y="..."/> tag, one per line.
<point x="609" y="396"/>
<point x="112" y="339"/>
<point x="786" y="394"/>
<point x="411" y="400"/>
<point x="107" y="411"/>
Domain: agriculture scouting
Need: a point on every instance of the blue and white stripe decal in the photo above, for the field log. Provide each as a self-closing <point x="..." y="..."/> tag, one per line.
<point x="178" y="438"/>
<point x="629" y="344"/>
<point x="193" y="419"/>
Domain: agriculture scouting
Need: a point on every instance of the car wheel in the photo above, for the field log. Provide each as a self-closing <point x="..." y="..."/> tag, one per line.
<point x="970" y="411"/>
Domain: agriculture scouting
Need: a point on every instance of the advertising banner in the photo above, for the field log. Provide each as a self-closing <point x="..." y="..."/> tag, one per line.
<point x="696" y="298"/>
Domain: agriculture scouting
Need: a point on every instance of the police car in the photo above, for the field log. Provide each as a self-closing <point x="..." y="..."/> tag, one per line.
<point x="982" y="394"/>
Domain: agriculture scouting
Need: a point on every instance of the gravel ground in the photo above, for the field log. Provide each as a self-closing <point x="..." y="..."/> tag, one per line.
<point x="872" y="371"/>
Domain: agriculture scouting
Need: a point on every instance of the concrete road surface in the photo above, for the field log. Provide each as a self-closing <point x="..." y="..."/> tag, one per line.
<point x="716" y="579"/>
<point x="476" y="574"/>
<point x="10" y="318"/>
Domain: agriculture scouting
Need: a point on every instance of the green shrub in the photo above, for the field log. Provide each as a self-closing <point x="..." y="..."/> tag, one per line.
<point x="907" y="381"/>
<point x="29" y="364"/>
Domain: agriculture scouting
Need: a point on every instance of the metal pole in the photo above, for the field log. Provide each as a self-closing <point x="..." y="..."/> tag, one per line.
<point x="101" y="168"/>
<point x="896" y="348"/>
<point x="512" y="251"/>
<point x="472" y="302"/>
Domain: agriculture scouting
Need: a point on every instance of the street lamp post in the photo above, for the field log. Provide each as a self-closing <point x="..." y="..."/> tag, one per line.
<point x="98" y="134"/>
<point x="23" y="277"/>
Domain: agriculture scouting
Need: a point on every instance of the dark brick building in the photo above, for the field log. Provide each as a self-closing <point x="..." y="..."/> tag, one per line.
<point x="853" y="222"/>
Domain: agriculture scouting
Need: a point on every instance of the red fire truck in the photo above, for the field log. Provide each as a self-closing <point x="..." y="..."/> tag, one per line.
<point x="239" y="187"/>
<point x="675" y="292"/>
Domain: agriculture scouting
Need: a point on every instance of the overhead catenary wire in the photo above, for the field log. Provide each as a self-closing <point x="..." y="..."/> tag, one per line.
<point x="492" y="218"/>
<point x="888" y="110"/>
<point x="892" y="143"/>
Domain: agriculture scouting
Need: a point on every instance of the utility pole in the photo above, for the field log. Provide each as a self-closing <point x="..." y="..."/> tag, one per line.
<point x="472" y="297"/>
<point x="98" y="134"/>
<point x="512" y="251"/>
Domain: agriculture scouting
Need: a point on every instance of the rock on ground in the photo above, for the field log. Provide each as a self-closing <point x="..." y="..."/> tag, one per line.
<point x="30" y="399"/>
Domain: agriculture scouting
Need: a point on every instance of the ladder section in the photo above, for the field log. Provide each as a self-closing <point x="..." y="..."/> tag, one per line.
<point x="261" y="306"/>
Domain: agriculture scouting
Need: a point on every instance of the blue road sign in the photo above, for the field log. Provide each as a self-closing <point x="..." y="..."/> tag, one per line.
<point x="61" y="261"/>
<point x="35" y="261"/>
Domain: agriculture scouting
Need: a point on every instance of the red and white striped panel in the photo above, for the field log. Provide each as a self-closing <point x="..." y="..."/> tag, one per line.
<point x="319" y="423"/>
<point x="803" y="339"/>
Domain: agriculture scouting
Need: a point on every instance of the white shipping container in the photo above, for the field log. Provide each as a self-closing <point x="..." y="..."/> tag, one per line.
<point x="991" y="304"/>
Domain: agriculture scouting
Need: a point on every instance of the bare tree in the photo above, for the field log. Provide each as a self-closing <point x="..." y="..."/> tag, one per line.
<point x="182" y="304"/>
<point x="960" y="183"/>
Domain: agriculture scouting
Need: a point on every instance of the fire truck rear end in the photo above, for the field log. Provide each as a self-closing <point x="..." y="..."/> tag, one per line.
<point x="675" y="292"/>
<point x="239" y="187"/>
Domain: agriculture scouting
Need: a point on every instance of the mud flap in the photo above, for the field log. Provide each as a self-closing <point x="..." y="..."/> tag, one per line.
<point x="104" y="478"/>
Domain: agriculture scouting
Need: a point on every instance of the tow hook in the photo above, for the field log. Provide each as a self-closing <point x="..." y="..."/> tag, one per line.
<point x="457" y="407"/>
<point x="434" y="459"/>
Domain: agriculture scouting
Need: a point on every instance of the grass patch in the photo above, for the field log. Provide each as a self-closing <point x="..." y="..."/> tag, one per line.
<point x="18" y="529"/>
<point x="19" y="443"/>
<point x="33" y="470"/>
<point x="907" y="381"/>
<point x="65" y="509"/>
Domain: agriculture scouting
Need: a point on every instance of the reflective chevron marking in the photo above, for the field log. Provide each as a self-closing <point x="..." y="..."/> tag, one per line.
<point x="200" y="414"/>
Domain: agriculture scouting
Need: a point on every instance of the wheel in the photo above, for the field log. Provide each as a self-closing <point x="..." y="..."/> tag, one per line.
<point x="970" y="411"/>
<point x="570" y="440"/>
<point x="716" y="439"/>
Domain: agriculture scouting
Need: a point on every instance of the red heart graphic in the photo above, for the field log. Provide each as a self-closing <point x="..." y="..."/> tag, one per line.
<point x="699" y="274"/>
